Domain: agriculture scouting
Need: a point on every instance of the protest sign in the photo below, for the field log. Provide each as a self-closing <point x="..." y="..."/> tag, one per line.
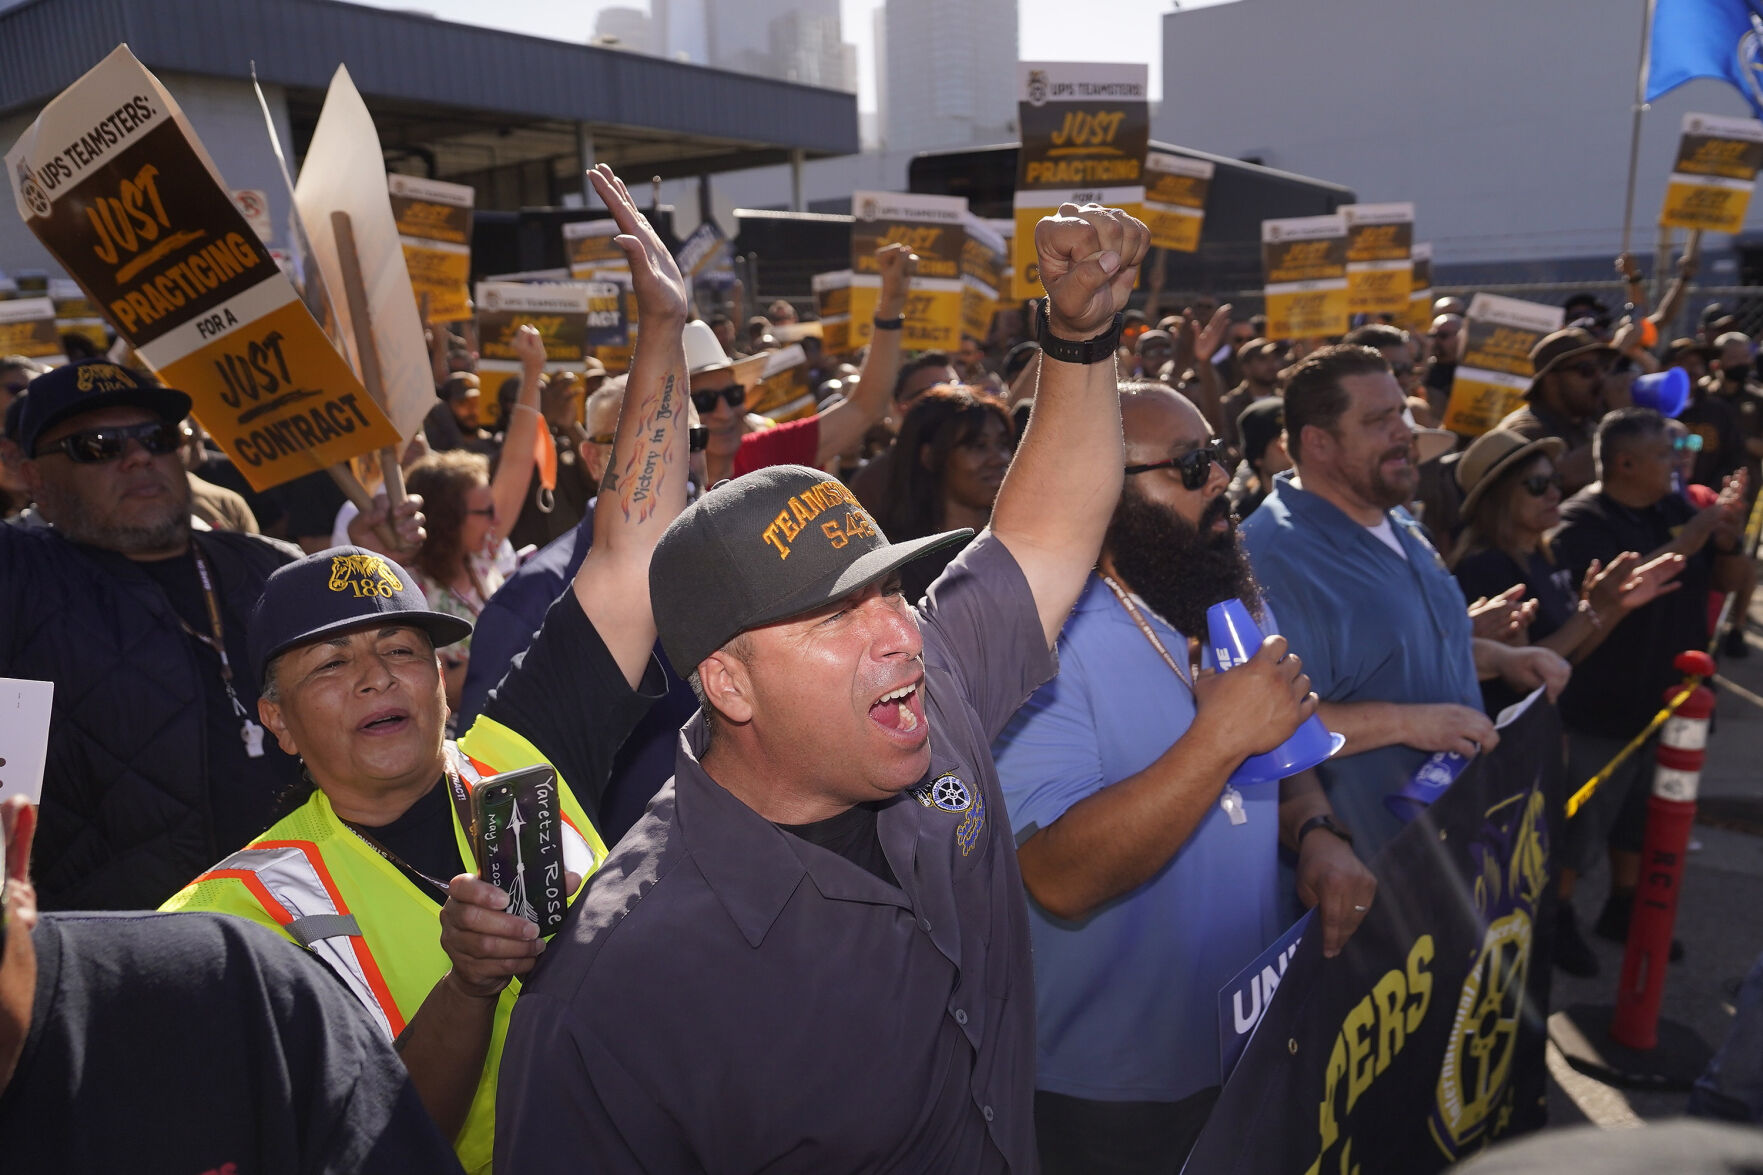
<point x="1495" y="370"/>
<point x="782" y="392"/>
<point x="27" y="327"/>
<point x="832" y="305"/>
<point x="434" y="227"/>
<point x="1422" y="1041"/>
<point x="592" y="254"/>
<point x="1175" y="199"/>
<point x="1380" y="263"/>
<point x="571" y="317"/>
<point x="1419" y="316"/>
<point x="933" y="227"/>
<point x="345" y="171"/>
<point x="982" y="277"/>
<point x="1085" y="128"/>
<point x="75" y="314"/>
<point x="706" y="257"/>
<point x="1710" y="184"/>
<point x="113" y="181"/>
<point x="1243" y="1001"/>
<point x="253" y="204"/>
<point x="1305" y="262"/>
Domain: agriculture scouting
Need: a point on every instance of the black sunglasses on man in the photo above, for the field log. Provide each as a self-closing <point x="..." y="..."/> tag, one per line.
<point x="96" y="445"/>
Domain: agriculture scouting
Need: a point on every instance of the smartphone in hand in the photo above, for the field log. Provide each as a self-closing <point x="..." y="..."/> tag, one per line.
<point x="517" y="834"/>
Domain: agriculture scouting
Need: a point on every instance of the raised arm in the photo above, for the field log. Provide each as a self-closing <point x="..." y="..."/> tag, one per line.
<point x="842" y="425"/>
<point x="514" y="471"/>
<point x="1062" y="486"/>
<point x="645" y="484"/>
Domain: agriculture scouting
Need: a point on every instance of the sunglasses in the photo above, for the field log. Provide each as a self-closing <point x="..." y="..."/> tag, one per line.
<point x="1539" y="484"/>
<point x="98" y="445"/>
<point x="706" y="398"/>
<point x="1691" y="443"/>
<point x="1588" y="370"/>
<point x="1195" y="467"/>
<point x="697" y="439"/>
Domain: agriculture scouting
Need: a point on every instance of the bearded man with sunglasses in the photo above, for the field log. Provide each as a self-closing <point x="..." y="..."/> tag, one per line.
<point x="1116" y="776"/>
<point x="1569" y="393"/>
<point x="157" y="764"/>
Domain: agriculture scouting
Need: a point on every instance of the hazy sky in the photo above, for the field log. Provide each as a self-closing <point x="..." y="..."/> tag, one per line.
<point x="1049" y="30"/>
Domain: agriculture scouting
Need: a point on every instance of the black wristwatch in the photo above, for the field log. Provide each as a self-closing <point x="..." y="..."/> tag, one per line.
<point x="889" y="323"/>
<point x="1094" y="350"/>
<point x="1325" y="822"/>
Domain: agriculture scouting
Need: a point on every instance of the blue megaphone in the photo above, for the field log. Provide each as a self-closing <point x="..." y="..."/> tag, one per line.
<point x="1665" y="392"/>
<point x="1235" y="637"/>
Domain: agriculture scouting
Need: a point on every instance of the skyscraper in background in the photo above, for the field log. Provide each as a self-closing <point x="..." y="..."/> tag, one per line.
<point x="681" y="29"/>
<point x="950" y="73"/>
<point x="625" y="28"/>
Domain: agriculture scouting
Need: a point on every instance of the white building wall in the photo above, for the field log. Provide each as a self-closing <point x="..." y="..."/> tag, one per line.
<point x="951" y="73"/>
<point x="1506" y="121"/>
<point x="229" y="122"/>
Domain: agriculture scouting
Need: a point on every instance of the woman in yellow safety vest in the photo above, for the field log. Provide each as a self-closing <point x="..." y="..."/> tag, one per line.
<point x="374" y="871"/>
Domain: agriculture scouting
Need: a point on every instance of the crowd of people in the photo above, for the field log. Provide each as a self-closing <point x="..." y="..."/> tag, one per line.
<point x="895" y="770"/>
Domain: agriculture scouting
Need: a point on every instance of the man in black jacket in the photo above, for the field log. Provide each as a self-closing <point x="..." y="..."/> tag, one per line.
<point x="157" y="765"/>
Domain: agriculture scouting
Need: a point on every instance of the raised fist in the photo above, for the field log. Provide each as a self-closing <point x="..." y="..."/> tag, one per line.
<point x="1089" y="259"/>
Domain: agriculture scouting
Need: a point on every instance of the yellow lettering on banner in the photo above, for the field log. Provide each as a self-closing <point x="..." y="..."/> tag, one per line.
<point x="1372" y="1034"/>
<point x="279" y="399"/>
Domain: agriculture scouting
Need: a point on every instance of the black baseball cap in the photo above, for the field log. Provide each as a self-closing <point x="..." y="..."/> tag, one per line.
<point x="334" y="591"/>
<point x="765" y="546"/>
<point x="87" y="386"/>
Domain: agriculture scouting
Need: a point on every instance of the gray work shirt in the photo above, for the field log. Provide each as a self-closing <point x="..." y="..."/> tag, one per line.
<point x="729" y="997"/>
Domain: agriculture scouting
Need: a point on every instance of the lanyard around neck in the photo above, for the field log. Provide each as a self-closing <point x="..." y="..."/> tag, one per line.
<point x="1138" y="618"/>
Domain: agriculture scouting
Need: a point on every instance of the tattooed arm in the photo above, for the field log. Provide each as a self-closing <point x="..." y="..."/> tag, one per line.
<point x="645" y="484"/>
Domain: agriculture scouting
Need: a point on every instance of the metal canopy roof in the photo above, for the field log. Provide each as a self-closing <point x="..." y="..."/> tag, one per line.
<point x="462" y="99"/>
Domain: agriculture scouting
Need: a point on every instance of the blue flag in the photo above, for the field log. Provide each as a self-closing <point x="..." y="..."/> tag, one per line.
<point x="1707" y="39"/>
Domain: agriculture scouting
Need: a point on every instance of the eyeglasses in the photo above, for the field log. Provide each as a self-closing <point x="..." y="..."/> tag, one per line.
<point x="697" y="439"/>
<point x="1539" y="484"/>
<point x="706" y="398"/>
<point x="95" y="446"/>
<point x="1195" y="467"/>
<point x="1690" y="444"/>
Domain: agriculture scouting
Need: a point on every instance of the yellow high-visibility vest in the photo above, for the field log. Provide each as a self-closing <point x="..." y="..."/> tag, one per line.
<point x="317" y="883"/>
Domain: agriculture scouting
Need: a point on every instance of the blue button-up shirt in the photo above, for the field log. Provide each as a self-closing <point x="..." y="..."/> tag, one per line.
<point x="1370" y="626"/>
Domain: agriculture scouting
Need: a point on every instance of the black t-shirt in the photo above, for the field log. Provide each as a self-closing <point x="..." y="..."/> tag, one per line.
<point x="192" y="1043"/>
<point x="1618" y="687"/>
<point x="1716" y="420"/>
<point x="421" y="841"/>
<point x="567" y="696"/>
<point x="1490" y="572"/>
<point x="852" y="835"/>
<point x="241" y="790"/>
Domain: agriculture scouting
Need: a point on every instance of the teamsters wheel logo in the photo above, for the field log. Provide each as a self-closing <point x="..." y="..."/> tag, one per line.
<point x="1037" y="87"/>
<point x="32" y="191"/>
<point x="868" y="209"/>
<point x="950" y="794"/>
